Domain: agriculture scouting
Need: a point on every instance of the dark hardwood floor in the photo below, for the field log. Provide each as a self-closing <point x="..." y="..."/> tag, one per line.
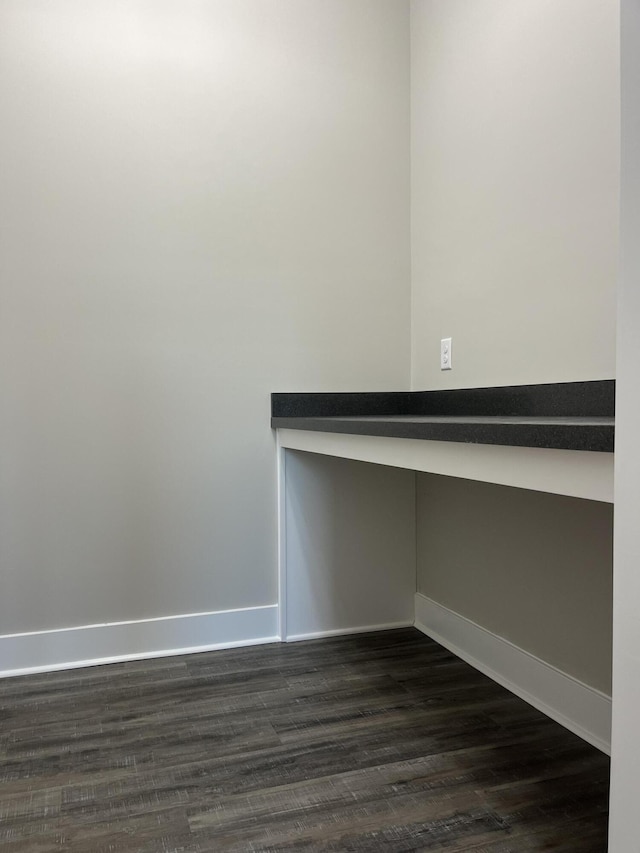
<point x="374" y="742"/>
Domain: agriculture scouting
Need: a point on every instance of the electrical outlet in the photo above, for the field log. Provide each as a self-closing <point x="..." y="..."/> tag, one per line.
<point x="445" y="354"/>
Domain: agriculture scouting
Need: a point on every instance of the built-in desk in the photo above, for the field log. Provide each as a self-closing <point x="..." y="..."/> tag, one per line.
<point x="547" y="438"/>
<point x="557" y="438"/>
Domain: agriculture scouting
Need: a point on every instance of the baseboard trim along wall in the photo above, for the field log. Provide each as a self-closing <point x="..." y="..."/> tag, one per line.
<point x="89" y="645"/>
<point x="338" y="632"/>
<point x="580" y="708"/>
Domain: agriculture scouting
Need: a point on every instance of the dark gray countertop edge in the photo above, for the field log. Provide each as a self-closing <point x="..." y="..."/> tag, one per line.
<point x="555" y="436"/>
<point x="569" y="399"/>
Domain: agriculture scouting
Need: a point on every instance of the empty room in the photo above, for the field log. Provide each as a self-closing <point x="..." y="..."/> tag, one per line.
<point x="318" y="328"/>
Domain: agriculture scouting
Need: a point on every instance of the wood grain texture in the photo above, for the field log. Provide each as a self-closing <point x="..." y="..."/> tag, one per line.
<point x="374" y="742"/>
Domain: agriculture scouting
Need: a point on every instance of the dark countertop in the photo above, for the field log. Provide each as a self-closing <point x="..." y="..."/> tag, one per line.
<point x="565" y="416"/>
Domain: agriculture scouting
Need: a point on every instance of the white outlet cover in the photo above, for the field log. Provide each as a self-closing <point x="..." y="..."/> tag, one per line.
<point x="445" y="354"/>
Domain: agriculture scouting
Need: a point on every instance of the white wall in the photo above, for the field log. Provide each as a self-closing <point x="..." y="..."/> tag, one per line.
<point x="200" y="203"/>
<point x="532" y="568"/>
<point x="625" y="769"/>
<point x="515" y="114"/>
<point x="351" y="545"/>
<point x="515" y="185"/>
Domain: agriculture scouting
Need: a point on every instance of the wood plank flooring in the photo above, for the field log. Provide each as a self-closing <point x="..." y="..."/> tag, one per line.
<point x="374" y="742"/>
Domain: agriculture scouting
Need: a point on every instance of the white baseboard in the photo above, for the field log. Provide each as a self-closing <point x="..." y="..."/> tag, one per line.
<point x="89" y="645"/>
<point x="582" y="709"/>
<point x="339" y="632"/>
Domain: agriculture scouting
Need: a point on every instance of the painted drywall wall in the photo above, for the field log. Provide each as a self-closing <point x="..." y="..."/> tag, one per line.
<point x="351" y="545"/>
<point x="624" y="824"/>
<point x="515" y="186"/>
<point x="515" y="155"/>
<point x="200" y="203"/>
<point x="533" y="568"/>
